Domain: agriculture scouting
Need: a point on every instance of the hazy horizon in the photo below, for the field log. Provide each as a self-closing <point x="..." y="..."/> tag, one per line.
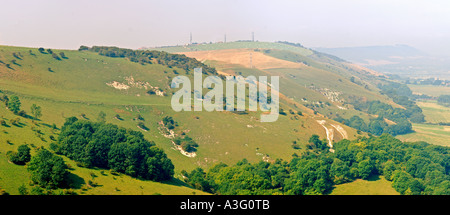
<point x="134" y="24"/>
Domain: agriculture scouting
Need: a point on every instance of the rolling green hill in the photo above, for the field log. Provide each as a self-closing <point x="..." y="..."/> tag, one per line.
<point x="85" y="83"/>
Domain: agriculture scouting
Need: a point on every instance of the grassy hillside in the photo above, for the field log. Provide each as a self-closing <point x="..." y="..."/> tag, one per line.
<point x="83" y="84"/>
<point x="313" y="80"/>
<point x="236" y="45"/>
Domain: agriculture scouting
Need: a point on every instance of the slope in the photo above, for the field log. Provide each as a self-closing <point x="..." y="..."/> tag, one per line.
<point x="84" y="83"/>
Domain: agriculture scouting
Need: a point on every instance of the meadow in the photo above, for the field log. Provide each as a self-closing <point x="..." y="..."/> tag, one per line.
<point x="80" y="85"/>
<point x="430" y="90"/>
<point x="375" y="185"/>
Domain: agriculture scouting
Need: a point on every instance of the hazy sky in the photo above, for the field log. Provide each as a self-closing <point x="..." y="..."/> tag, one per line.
<point x="137" y="23"/>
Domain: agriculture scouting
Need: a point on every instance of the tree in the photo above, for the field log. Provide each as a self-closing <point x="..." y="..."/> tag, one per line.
<point x="15" y="121"/>
<point x="197" y="179"/>
<point x="101" y="116"/>
<point x="36" y="111"/>
<point x="54" y="55"/>
<point x="23" y="190"/>
<point x="41" y="50"/>
<point x="315" y="141"/>
<point x="83" y="48"/>
<point x="401" y="181"/>
<point x="108" y="146"/>
<point x="365" y="168"/>
<point x="21" y="157"/>
<point x="62" y="55"/>
<point x="415" y="187"/>
<point x="47" y="170"/>
<point x="23" y="153"/>
<point x="388" y="170"/>
<point x="14" y="104"/>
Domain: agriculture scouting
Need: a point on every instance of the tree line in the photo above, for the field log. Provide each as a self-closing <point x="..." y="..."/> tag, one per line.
<point x="152" y="56"/>
<point x="414" y="168"/>
<point x="401" y="117"/>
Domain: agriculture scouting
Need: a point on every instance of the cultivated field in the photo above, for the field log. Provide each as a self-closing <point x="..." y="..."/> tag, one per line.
<point x="430" y="90"/>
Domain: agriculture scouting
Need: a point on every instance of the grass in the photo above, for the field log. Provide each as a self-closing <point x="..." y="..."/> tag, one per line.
<point x="373" y="186"/>
<point x="77" y="86"/>
<point x="435" y="113"/>
<point x="430" y="90"/>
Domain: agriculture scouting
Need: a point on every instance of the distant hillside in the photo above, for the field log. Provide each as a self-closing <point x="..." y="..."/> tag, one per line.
<point x="322" y="82"/>
<point x="372" y="55"/>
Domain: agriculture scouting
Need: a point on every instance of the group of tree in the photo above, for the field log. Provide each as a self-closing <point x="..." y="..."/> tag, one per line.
<point x="414" y="168"/>
<point x="169" y="122"/>
<point x="186" y="143"/>
<point x="377" y="126"/>
<point x="48" y="170"/>
<point x="444" y="100"/>
<point x="152" y="56"/>
<point x="54" y="55"/>
<point x="410" y="113"/>
<point x="401" y="118"/>
<point x="402" y="95"/>
<point x="14" y="104"/>
<point x="96" y="144"/>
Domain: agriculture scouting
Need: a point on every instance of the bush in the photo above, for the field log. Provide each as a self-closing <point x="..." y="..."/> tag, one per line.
<point x="14" y="104"/>
<point x="169" y="123"/>
<point x="186" y="143"/>
<point x="54" y="55"/>
<point x="21" y="157"/>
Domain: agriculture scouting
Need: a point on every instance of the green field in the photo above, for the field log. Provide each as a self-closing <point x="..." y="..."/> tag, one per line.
<point x="78" y="86"/>
<point x="373" y="186"/>
<point x="430" y="90"/>
<point x="431" y="132"/>
<point x="434" y="134"/>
